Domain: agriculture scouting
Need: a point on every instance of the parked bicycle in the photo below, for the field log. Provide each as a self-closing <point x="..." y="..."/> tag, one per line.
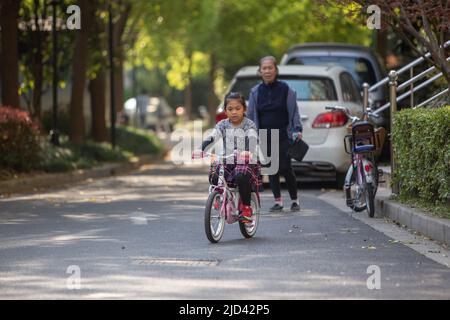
<point x="362" y="178"/>
<point x="223" y="205"/>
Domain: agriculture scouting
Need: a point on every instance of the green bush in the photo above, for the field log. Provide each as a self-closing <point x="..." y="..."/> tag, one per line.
<point x="68" y="157"/>
<point x="101" y="152"/>
<point x="63" y="124"/>
<point x="138" y="141"/>
<point x="19" y="140"/>
<point x="422" y="153"/>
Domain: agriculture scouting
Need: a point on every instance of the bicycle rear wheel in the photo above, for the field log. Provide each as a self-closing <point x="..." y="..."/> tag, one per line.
<point x="248" y="230"/>
<point x="370" y="200"/>
<point x="354" y="192"/>
<point x="214" y="221"/>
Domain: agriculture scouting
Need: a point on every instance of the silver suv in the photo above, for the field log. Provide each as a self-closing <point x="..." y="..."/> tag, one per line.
<point x="362" y="63"/>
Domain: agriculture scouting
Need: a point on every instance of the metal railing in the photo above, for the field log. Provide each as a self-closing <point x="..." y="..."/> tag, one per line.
<point x="393" y="74"/>
<point x="394" y="88"/>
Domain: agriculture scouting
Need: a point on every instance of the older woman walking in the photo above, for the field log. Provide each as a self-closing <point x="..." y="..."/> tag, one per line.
<point x="273" y="106"/>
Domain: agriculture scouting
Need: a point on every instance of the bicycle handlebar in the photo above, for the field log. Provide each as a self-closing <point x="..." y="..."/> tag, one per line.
<point x="208" y="154"/>
<point x="219" y="156"/>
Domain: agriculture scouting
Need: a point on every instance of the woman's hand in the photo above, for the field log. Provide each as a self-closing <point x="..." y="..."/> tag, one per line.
<point x="297" y="136"/>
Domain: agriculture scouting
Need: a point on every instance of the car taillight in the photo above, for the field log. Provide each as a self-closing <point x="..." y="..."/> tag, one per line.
<point x="330" y="119"/>
<point x="220" y="116"/>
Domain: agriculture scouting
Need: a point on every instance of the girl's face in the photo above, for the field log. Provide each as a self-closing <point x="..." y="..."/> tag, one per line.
<point x="235" y="111"/>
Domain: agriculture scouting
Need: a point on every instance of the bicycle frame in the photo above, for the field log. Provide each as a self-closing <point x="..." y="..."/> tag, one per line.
<point x="231" y="199"/>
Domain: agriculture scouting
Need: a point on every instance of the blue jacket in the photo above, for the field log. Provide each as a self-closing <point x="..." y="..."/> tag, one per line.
<point x="294" y="117"/>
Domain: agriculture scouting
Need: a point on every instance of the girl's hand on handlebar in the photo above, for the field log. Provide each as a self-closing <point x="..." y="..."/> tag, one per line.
<point x="244" y="156"/>
<point x="197" y="154"/>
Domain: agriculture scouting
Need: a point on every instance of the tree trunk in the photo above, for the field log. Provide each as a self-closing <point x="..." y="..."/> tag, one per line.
<point x="212" y="98"/>
<point x="77" y="124"/>
<point x="119" y="29"/>
<point x="37" y="91"/>
<point x="118" y="84"/>
<point x="188" y="91"/>
<point x="38" y="63"/>
<point x="382" y="43"/>
<point x="9" y="57"/>
<point x="97" y="88"/>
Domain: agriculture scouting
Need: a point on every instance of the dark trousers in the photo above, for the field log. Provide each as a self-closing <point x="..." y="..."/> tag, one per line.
<point x="243" y="180"/>
<point x="244" y="186"/>
<point x="285" y="169"/>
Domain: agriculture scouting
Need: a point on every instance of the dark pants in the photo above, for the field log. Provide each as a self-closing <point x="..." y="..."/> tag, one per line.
<point x="285" y="169"/>
<point x="240" y="177"/>
<point x="244" y="186"/>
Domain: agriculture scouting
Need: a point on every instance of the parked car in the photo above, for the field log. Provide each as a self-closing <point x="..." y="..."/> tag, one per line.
<point x="153" y="113"/>
<point x="324" y="131"/>
<point x="362" y="63"/>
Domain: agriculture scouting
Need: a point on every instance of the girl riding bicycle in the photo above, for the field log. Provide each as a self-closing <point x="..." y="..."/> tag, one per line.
<point x="240" y="138"/>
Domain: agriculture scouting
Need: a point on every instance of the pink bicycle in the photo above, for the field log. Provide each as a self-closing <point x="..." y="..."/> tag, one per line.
<point x="223" y="205"/>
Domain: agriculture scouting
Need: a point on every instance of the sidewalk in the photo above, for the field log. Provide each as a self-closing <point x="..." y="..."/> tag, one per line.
<point x="432" y="227"/>
<point x="46" y="181"/>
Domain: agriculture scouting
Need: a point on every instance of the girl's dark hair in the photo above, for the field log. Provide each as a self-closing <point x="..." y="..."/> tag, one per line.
<point x="234" y="96"/>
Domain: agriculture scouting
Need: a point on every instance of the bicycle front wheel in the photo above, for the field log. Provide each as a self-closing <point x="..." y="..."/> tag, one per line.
<point x="248" y="230"/>
<point x="214" y="221"/>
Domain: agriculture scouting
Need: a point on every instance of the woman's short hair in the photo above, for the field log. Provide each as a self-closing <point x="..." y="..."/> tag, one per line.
<point x="234" y="96"/>
<point x="271" y="58"/>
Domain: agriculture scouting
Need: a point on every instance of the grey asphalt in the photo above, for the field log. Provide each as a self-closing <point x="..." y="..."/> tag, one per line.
<point x="140" y="236"/>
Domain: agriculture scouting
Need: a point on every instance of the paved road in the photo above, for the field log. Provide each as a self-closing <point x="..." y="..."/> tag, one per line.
<point x="140" y="236"/>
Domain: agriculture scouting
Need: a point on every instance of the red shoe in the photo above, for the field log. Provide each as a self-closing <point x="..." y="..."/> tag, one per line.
<point x="246" y="214"/>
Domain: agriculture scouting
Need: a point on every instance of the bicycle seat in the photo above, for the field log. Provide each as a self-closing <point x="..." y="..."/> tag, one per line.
<point x="364" y="148"/>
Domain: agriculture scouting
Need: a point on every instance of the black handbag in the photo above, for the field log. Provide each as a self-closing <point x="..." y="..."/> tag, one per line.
<point x="298" y="149"/>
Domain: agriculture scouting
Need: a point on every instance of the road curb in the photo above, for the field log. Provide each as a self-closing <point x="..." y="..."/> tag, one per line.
<point x="432" y="227"/>
<point x="44" y="181"/>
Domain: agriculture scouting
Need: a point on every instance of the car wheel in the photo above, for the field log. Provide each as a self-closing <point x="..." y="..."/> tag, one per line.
<point x="340" y="180"/>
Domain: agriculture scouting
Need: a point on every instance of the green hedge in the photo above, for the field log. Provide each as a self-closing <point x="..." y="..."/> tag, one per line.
<point x="68" y="157"/>
<point x="138" y="141"/>
<point x="422" y="153"/>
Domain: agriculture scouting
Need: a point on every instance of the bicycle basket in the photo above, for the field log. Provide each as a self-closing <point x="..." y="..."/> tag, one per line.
<point x="380" y="136"/>
<point x="363" y="137"/>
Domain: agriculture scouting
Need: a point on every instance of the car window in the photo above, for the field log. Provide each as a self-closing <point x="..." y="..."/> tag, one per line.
<point x="244" y="85"/>
<point x="307" y="88"/>
<point x="360" y="68"/>
<point x="350" y="91"/>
